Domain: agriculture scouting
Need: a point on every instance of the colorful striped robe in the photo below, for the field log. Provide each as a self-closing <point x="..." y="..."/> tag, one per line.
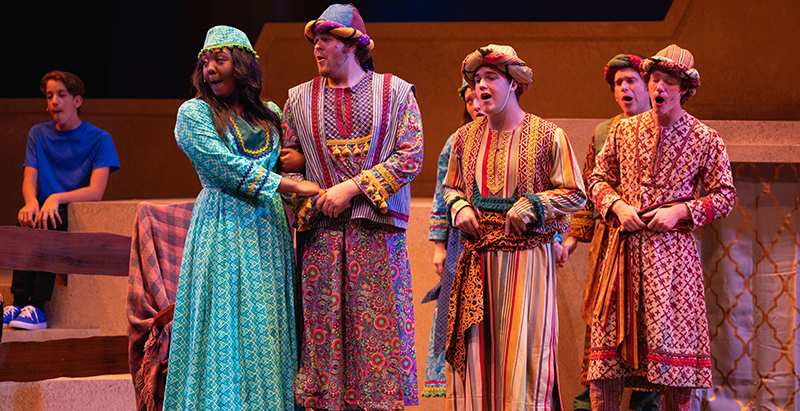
<point x="511" y="354"/>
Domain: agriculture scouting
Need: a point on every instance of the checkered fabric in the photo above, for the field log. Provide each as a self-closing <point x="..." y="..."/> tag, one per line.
<point x="226" y="36"/>
<point x="156" y="251"/>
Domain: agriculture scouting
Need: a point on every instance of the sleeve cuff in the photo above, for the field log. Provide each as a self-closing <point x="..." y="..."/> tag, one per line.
<point x="438" y="227"/>
<point x="371" y="186"/>
<point x="455" y="206"/>
<point x="534" y="210"/>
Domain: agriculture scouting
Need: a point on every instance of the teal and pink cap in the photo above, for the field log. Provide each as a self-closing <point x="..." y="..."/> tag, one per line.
<point x="341" y="20"/>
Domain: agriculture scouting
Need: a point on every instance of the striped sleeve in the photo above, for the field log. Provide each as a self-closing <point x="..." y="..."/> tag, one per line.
<point x="453" y="184"/>
<point x="582" y="222"/>
<point x="567" y="195"/>
<point x="386" y="178"/>
<point x="606" y="176"/>
<point x="439" y="225"/>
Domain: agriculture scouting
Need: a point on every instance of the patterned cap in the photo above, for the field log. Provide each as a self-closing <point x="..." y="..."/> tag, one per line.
<point x="226" y="36"/>
<point x="619" y="61"/>
<point x="342" y="20"/>
<point x="504" y="58"/>
<point x="674" y="60"/>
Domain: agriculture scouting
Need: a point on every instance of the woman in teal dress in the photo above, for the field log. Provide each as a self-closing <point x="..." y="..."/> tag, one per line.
<point x="233" y="340"/>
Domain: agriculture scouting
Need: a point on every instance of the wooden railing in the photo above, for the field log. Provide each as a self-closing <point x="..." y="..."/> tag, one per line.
<point x="73" y="253"/>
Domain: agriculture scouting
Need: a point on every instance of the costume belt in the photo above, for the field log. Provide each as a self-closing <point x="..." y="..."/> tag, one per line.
<point x="466" y="299"/>
<point x="615" y="288"/>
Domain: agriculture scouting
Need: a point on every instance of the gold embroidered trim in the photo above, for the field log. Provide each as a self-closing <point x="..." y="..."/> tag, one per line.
<point x="252" y="186"/>
<point x="241" y="140"/>
<point x="375" y="190"/>
<point x="350" y="147"/>
<point x="498" y="160"/>
<point x="388" y="177"/>
<point x="340" y="142"/>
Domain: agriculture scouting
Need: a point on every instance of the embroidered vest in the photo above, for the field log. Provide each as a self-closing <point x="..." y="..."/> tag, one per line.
<point x="533" y="168"/>
<point x="388" y="94"/>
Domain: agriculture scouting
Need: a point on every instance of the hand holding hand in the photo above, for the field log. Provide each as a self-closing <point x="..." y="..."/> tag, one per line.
<point x="307" y="188"/>
<point x="337" y="198"/>
<point x="569" y="244"/>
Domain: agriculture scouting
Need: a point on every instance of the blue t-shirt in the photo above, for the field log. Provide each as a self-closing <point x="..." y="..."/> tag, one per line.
<point x="65" y="159"/>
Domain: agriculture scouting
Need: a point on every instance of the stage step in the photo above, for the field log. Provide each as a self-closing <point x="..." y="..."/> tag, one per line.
<point x="11" y="334"/>
<point x="100" y="393"/>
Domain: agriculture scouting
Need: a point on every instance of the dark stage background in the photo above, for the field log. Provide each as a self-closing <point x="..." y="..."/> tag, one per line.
<point x="146" y="49"/>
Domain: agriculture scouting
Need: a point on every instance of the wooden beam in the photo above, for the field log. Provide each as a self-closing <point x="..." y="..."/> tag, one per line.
<point x="64" y="252"/>
<point x="25" y="361"/>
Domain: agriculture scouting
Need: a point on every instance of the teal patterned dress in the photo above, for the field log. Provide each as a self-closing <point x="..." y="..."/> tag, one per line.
<point x="233" y="338"/>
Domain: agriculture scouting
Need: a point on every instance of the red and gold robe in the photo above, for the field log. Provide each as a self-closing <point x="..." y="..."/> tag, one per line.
<point x="644" y="164"/>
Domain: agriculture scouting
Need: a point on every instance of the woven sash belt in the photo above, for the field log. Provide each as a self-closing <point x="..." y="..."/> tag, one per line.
<point x="466" y="299"/>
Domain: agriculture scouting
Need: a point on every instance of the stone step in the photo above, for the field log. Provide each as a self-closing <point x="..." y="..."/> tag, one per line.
<point x="11" y="334"/>
<point x="100" y="393"/>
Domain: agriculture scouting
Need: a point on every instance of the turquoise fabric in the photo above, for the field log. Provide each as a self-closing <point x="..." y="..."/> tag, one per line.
<point x="226" y="36"/>
<point x="233" y="340"/>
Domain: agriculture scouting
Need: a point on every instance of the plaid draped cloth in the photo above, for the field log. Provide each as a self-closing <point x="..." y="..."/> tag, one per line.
<point x="615" y="289"/>
<point x="466" y="299"/>
<point x="156" y="252"/>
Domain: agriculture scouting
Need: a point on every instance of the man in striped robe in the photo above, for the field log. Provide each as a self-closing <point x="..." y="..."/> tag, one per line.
<point x="511" y="183"/>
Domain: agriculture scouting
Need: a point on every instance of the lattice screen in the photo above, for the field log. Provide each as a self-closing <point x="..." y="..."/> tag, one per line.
<point x="750" y="260"/>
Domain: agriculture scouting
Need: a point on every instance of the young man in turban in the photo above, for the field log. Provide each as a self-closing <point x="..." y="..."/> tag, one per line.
<point x="630" y="92"/>
<point x="649" y="326"/>
<point x="510" y="185"/>
<point x="361" y="135"/>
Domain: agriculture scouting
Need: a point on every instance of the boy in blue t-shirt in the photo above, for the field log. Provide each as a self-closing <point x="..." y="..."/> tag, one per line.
<point x="66" y="160"/>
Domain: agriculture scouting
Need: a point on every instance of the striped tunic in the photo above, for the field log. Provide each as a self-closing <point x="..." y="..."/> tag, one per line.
<point x="511" y="354"/>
